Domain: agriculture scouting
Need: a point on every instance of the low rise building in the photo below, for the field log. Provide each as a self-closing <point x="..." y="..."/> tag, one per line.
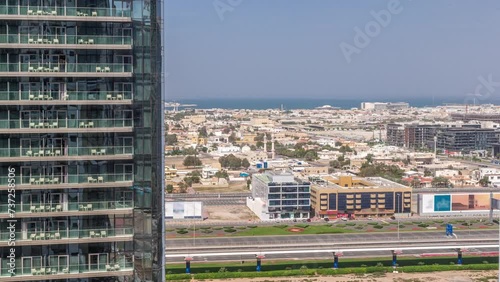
<point x="369" y="196"/>
<point x="278" y="195"/>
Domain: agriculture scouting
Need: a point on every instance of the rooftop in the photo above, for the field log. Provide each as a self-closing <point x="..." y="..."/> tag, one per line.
<point x="347" y="182"/>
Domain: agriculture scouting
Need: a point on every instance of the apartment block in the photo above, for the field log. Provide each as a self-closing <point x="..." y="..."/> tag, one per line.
<point x="81" y="139"/>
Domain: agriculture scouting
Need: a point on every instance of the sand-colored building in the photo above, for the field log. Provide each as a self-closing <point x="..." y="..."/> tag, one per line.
<point x="369" y="196"/>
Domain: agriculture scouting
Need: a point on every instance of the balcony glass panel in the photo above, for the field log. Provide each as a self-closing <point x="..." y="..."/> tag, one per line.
<point x="65" y="123"/>
<point x="64" y="11"/>
<point x="55" y="67"/>
<point x="69" y="178"/>
<point x="70" y="206"/>
<point x="66" y="95"/>
<point x="121" y="263"/>
<point x="64" y="39"/>
<point x="38" y="235"/>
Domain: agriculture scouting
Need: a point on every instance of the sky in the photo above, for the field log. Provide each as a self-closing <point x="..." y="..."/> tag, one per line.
<point x="332" y="49"/>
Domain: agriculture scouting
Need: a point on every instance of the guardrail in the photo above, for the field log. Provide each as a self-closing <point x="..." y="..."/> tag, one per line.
<point x="332" y="250"/>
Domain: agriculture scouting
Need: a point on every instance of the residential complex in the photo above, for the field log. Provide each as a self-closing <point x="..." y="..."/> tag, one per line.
<point x="449" y="137"/>
<point x="81" y="131"/>
<point x="278" y="195"/>
<point x="370" y="196"/>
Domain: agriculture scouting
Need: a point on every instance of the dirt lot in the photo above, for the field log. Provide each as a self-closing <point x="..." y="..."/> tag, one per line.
<point x="234" y="187"/>
<point x="446" y="276"/>
<point x="229" y="213"/>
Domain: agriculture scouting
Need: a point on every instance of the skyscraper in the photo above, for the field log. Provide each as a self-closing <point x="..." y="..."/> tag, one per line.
<point x="81" y="154"/>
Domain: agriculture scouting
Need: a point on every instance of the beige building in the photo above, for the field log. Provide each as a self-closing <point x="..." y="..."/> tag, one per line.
<point x="357" y="196"/>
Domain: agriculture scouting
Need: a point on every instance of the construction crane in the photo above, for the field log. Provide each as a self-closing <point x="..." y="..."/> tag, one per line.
<point x="175" y="106"/>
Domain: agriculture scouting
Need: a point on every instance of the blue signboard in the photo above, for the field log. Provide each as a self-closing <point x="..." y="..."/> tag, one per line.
<point x="442" y="203"/>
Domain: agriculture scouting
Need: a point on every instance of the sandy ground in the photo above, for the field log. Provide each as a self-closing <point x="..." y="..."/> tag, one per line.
<point x="228" y="213"/>
<point x="446" y="276"/>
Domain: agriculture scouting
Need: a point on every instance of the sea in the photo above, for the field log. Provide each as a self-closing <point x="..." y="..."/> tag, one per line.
<point x="304" y="103"/>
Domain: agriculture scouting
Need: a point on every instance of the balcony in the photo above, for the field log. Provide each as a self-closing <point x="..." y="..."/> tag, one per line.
<point x="41" y="209"/>
<point x="41" y="182"/>
<point x="70" y="236"/>
<point x="65" y="98"/>
<point x="66" y="153"/>
<point x="34" y="41"/>
<point x="64" y="13"/>
<point x="65" y="125"/>
<point x="39" y="69"/>
<point x="66" y="267"/>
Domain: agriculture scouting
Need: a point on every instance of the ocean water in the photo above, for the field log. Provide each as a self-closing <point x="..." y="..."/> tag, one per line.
<point x="302" y="103"/>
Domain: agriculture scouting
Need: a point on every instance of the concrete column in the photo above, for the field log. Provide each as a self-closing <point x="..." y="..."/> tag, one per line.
<point x="395" y="254"/>
<point x="336" y="256"/>
<point x="259" y="262"/>
<point x="188" y="264"/>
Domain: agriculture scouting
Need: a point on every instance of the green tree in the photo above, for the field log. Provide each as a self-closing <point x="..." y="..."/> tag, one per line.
<point x="230" y="161"/>
<point x="245" y="163"/>
<point x="222" y="174"/>
<point x="369" y="158"/>
<point x="440" y="182"/>
<point x="427" y="172"/>
<point x="484" y="181"/>
<point x="202" y="132"/>
<point x="192" y="161"/>
<point x="232" y="138"/>
<point x="311" y="155"/>
<point x="170" y="188"/>
<point x="171" y="139"/>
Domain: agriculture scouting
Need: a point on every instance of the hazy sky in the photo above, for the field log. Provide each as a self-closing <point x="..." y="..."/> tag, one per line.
<point x="297" y="48"/>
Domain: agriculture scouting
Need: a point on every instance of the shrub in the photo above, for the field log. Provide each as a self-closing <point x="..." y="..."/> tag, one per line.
<point x="301" y="225"/>
<point x="421" y="263"/>
<point x="423" y="225"/>
<point x="230" y="230"/>
<point x="402" y="226"/>
<point x="485" y="261"/>
<point x="206" y="231"/>
<point x="372" y="223"/>
<point x="222" y="269"/>
<point x="358" y="227"/>
<point x="170" y="230"/>
<point x="452" y="263"/>
<point x="303" y="267"/>
<point x="378" y="226"/>
<point x="182" y="231"/>
<point x="252" y="226"/>
<point x="281" y="226"/>
<point x="379" y="264"/>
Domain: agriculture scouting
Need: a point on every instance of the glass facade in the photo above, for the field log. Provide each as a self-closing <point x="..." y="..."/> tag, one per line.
<point x="81" y="129"/>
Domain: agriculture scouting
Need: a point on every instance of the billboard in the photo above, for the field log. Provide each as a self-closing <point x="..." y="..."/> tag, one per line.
<point x="183" y="210"/>
<point x="442" y="203"/>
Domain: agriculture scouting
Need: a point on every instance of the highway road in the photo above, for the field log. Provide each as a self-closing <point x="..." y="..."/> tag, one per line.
<point x="263" y="244"/>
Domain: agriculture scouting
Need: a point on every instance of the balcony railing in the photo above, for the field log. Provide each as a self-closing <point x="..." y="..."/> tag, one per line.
<point x="69" y="151"/>
<point x="69" y="179"/>
<point x="64" y="11"/>
<point x="64" y="39"/>
<point x="66" y="68"/>
<point x="66" y="234"/>
<point x="40" y="268"/>
<point x="70" y="206"/>
<point x="66" y="95"/>
<point x="65" y="123"/>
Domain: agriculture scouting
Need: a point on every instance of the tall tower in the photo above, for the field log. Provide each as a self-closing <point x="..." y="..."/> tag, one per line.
<point x="272" y="146"/>
<point x="265" y="143"/>
<point x="81" y="119"/>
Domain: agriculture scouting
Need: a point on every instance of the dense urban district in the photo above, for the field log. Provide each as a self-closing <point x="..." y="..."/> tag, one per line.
<point x="385" y="178"/>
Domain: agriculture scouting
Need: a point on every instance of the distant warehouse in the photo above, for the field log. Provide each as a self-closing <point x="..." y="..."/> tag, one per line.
<point x="356" y="196"/>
